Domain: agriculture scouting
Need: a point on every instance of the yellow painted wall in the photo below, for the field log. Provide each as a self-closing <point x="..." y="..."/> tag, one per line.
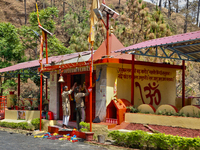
<point x="155" y="80"/>
<point x="123" y="86"/>
<point x="152" y="81"/>
<point x="30" y="114"/>
<point x="184" y="122"/>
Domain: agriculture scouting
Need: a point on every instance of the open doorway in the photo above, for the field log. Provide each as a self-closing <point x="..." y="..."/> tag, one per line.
<point x="80" y="80"/>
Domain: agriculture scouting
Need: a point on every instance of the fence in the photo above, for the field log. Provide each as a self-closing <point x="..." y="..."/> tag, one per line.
<point x="3" y="105"/>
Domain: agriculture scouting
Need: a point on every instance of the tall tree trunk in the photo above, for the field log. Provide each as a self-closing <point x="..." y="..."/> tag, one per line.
<point x="169" y="9"/>
<point x="198" y="13"/>
<point x="25" y="10"/>
<point x="43" y="5"/>
<point x="165" y="4"/>
<point x="63" y="11"/>
<point x="35" y="5"/>
<point x="177" y="7"/>
<point x="186" y="17"/>
<point x="119" y="2"/>
<point x="160" y="4"/>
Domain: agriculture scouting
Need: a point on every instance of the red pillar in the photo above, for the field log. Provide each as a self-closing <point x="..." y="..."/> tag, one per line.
<point x="91" y="67"/>
<point x="46" y="88"/>
<point x="46" y="48"/>
<point x="132" y="79"/>
<point x="40" y="100"/>
<point x="18" y="92"/>
<point x="183" y="83"/>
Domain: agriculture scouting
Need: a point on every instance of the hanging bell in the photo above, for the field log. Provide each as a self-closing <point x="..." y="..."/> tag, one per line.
<point x="61" y="80"/>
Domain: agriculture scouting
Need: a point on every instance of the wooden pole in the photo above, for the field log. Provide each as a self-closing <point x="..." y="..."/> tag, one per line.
<point x="132" y="79"/>
<point x="183" y="83"/>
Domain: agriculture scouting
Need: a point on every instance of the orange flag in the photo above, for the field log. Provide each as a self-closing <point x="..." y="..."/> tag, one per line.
<point x="93" y="20"/>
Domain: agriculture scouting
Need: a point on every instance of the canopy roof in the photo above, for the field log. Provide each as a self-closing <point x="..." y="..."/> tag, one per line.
<point x="33" y="65"/>
<point x="186" y="47"/>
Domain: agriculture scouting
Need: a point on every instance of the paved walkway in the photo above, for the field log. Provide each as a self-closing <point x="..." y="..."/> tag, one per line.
<point x="12" y="141"/>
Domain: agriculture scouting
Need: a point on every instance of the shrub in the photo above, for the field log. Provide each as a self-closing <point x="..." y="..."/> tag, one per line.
<point x="22" y="125"/>
<point x="36" y="123"/>
<point x="85" y="127"/>
<point x="140" y="139"/>
<point x="133" y="109"/>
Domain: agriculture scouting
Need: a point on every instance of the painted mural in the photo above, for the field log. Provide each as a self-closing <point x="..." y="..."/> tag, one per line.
<point x="153" y="85"/>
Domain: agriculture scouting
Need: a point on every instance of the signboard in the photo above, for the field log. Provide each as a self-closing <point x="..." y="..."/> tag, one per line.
<point x="21" y="115"/>
<point x="77" y="69"/>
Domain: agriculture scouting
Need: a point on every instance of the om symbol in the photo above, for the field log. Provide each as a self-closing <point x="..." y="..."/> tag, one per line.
<point x="153" y="93"/>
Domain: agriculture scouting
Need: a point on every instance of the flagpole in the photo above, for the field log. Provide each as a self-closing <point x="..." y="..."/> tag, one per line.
<point x="91" y="69"/>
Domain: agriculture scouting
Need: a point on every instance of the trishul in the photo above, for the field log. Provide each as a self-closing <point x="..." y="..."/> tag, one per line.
<point x="43" y="39"/>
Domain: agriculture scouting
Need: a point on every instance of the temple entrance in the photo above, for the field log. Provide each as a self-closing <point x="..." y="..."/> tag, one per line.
<point x="80" y="80"/>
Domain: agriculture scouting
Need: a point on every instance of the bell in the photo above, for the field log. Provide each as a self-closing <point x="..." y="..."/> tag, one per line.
<point x="61" y="80"/>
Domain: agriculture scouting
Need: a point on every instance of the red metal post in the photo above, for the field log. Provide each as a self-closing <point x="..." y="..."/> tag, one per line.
<point x="18" y="93"/>
<point x="91" y="68"/>
<point x="5" y="100"/>
<point x="132" y="79"/>
<point x="183" y="83"/>
<point x="40" y="100"/>
<point x="46" y="48"/>
<point x="107" y="28"/>
<point x="46" y="88"/>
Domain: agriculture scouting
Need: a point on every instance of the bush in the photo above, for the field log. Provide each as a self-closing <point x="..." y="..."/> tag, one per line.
<point x="36" y="123"/>
<point x="139" y="139"/>
<point x="21" y="125"/>
<point x="85" y="127"/>
<point x="132" y="109"/>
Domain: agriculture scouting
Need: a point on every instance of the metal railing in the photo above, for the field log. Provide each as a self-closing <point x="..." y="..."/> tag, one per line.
<point x="3" y="105"/>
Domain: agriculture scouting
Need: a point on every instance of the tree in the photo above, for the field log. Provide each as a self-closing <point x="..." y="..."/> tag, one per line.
<point x="169" y="9"/>
<point x="28" y="34"/>
<point x="198" y="13"/>
<point x="137" y="25"/>
<point x="186" y="16"/>
<point x="76" y="25"/>
<point x="11" y="50"/>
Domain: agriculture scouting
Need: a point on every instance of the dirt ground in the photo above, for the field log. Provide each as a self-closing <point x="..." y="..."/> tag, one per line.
<point x="163" y="129"/>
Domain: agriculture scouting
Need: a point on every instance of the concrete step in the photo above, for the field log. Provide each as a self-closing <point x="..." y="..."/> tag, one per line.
<point x="13" y="120"/>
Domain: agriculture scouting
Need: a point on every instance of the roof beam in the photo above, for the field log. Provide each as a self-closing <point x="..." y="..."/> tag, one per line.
<point x="164" y="52"/>
<point x="180" y="53"/>
<point x="193" y="52"/>
<point x="186" y="45"/>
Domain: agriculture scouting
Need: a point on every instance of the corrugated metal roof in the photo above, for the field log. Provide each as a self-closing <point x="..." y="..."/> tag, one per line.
<point x="35" y="63"/>
<point x="187" y="44"/>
